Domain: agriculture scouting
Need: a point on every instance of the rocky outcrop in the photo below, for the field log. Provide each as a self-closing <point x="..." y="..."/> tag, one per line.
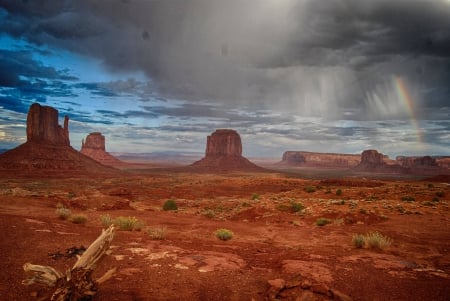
<point x="425" y="161"/>
<point x="224" y="153"/>
<point x="43" y="127"/>
<point x="325" y="160"/>
<point x="48" y="148"/>
<point x="373" y="161"/>
<point x="94" y="147"/>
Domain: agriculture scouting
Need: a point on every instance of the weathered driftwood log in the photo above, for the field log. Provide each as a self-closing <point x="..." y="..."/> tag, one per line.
<point x="77" y="284"/>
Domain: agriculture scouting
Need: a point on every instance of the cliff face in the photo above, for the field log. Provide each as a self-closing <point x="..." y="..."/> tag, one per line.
<point x="327" y="160"/>
<point x="425" y="161"/>
<point x="373" y="161"/>
<point x="224" y="153"/>
<point x="43" y="127"/>
<point x="94" y="147"/>
<point x="223" y="142"/>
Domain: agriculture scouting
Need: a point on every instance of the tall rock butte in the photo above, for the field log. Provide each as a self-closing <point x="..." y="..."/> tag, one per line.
<point x="48" y="147"/>
<point x="94" y="147"/>
<point x="373" y="161"/>
<point x="224" y="153"/>
<point x="43" y="127"/>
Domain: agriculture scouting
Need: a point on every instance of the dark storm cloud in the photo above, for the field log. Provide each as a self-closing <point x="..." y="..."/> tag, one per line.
<point x="228" y="50"/>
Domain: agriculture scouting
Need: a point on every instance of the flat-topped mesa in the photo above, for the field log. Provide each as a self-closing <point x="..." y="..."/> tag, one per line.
<point x="325" y="160"/>
<point x="95" y="141"/>
<point x="43" y="126"/>
<point x="426" y="161"/>
<point x="223" y="142"/>
<point x="372" y="157"/>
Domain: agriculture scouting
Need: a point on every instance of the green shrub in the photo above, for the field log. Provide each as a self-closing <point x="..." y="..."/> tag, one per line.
<point x="435" y="200"/>
<point x="224" y="234"/>
<point x="408" y="198"/>
<point x="358" y="240"/>
<point x="339" y="192"/>
<point x="78" y="218"/>
<point x="63" y="212"/>
<point x="170" y="205"/>
<point x="129" y="223"/>
<point x="377" y="241"/>
<point x="322" y="221"/>
<point x="296" y="207"/>
<point x="157" y="233"/>
<point x="255" y="196"/>
<point x="209" y="213"/>
<point x="440" y="194"/>
<point x="309" y="189"/>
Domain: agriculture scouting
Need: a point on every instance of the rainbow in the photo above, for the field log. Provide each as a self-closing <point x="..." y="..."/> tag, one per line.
<point x="404" y="95"/>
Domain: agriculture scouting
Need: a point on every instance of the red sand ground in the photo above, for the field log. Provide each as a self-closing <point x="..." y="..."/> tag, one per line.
<point x="270" y="241"/>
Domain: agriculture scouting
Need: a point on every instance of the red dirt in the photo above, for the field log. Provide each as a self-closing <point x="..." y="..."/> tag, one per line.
<point x="270" y="240"/>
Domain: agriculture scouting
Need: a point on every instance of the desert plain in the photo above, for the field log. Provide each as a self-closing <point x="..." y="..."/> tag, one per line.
<point x="278" y="250"/>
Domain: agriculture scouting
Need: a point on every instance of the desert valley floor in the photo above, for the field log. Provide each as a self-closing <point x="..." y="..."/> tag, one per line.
<point x="273" y="216"/>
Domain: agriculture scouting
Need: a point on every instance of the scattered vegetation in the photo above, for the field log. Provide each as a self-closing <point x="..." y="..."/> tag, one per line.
<point x="209" y="213"/>
<point x="129" y="223"/>
<point x="297" y="207"/>
<point x="106" y="220"/>
<point x="224" y="234"/>
<point x="63" y="212"/>
<point x="322" y="221"/>
<point x="374" y="240"/>
<point x="358" y="240"/>
<point x="157" y="233"/>
<point x="170" y="205"/>
<point x="309" y="189"/>
<point x="377" y="241"/>
<point x="339" y="192"/>
<point x="78" y="219"/>
<point x="408" y="198"/>
<point x="255" y="196"/>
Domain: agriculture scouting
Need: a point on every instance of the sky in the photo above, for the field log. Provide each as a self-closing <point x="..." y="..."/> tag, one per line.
<point x="338" y="76"/>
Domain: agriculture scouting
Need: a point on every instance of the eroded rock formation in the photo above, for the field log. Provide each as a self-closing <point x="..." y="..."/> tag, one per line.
<point x="223" y="142"/>
<point x="94" y="141"/>
<point x="326" y="160"/>
<point x="373" y="161"/>
<point x="224" y="152"/>
<point x="43" y="126"/>
<point x="48" y="147"/>
<point x="94" y="147"/>
<point x="425" y="161"/>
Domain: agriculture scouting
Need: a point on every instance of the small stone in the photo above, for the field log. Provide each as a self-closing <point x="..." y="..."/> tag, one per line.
<point x="306" y="284"/>
<point x="340" y="296"/>
<point x="321" y="288"/>
<point x="277" y="284"/>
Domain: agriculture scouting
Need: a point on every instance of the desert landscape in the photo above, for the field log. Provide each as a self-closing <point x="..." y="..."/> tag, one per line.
<point x="224" y="228"/>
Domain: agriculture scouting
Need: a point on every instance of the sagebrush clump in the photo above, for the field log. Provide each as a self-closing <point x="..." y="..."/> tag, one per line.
<point x="170" y="205"/>
<point x="374" y="240"/>
<point x="224" y="234"/>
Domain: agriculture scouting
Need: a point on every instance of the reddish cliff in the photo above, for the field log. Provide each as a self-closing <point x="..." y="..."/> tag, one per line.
<point x="224" y="153"/>
<point x="48" y="148"/>
<point x="94" y="147"/>
<point x="326" y="160"/>
<point x="373" y="161"/>
<point x="43" y="127"/>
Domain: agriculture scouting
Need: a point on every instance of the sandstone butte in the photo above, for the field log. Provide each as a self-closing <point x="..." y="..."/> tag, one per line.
<point x="48" y="147"/>
<point x="94" y="147"/>
<point x="224" y="153"/>
<point x="312" y="159"/>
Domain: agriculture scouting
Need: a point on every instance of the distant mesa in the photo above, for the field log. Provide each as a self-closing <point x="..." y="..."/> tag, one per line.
<point x="325" y="160"/>
<point x="48" y="147"/>
<point x="425" y="161"/>
<point x="373" y="161"/>
<point x="94" y="147"/>
<point x="224" y="153"/>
